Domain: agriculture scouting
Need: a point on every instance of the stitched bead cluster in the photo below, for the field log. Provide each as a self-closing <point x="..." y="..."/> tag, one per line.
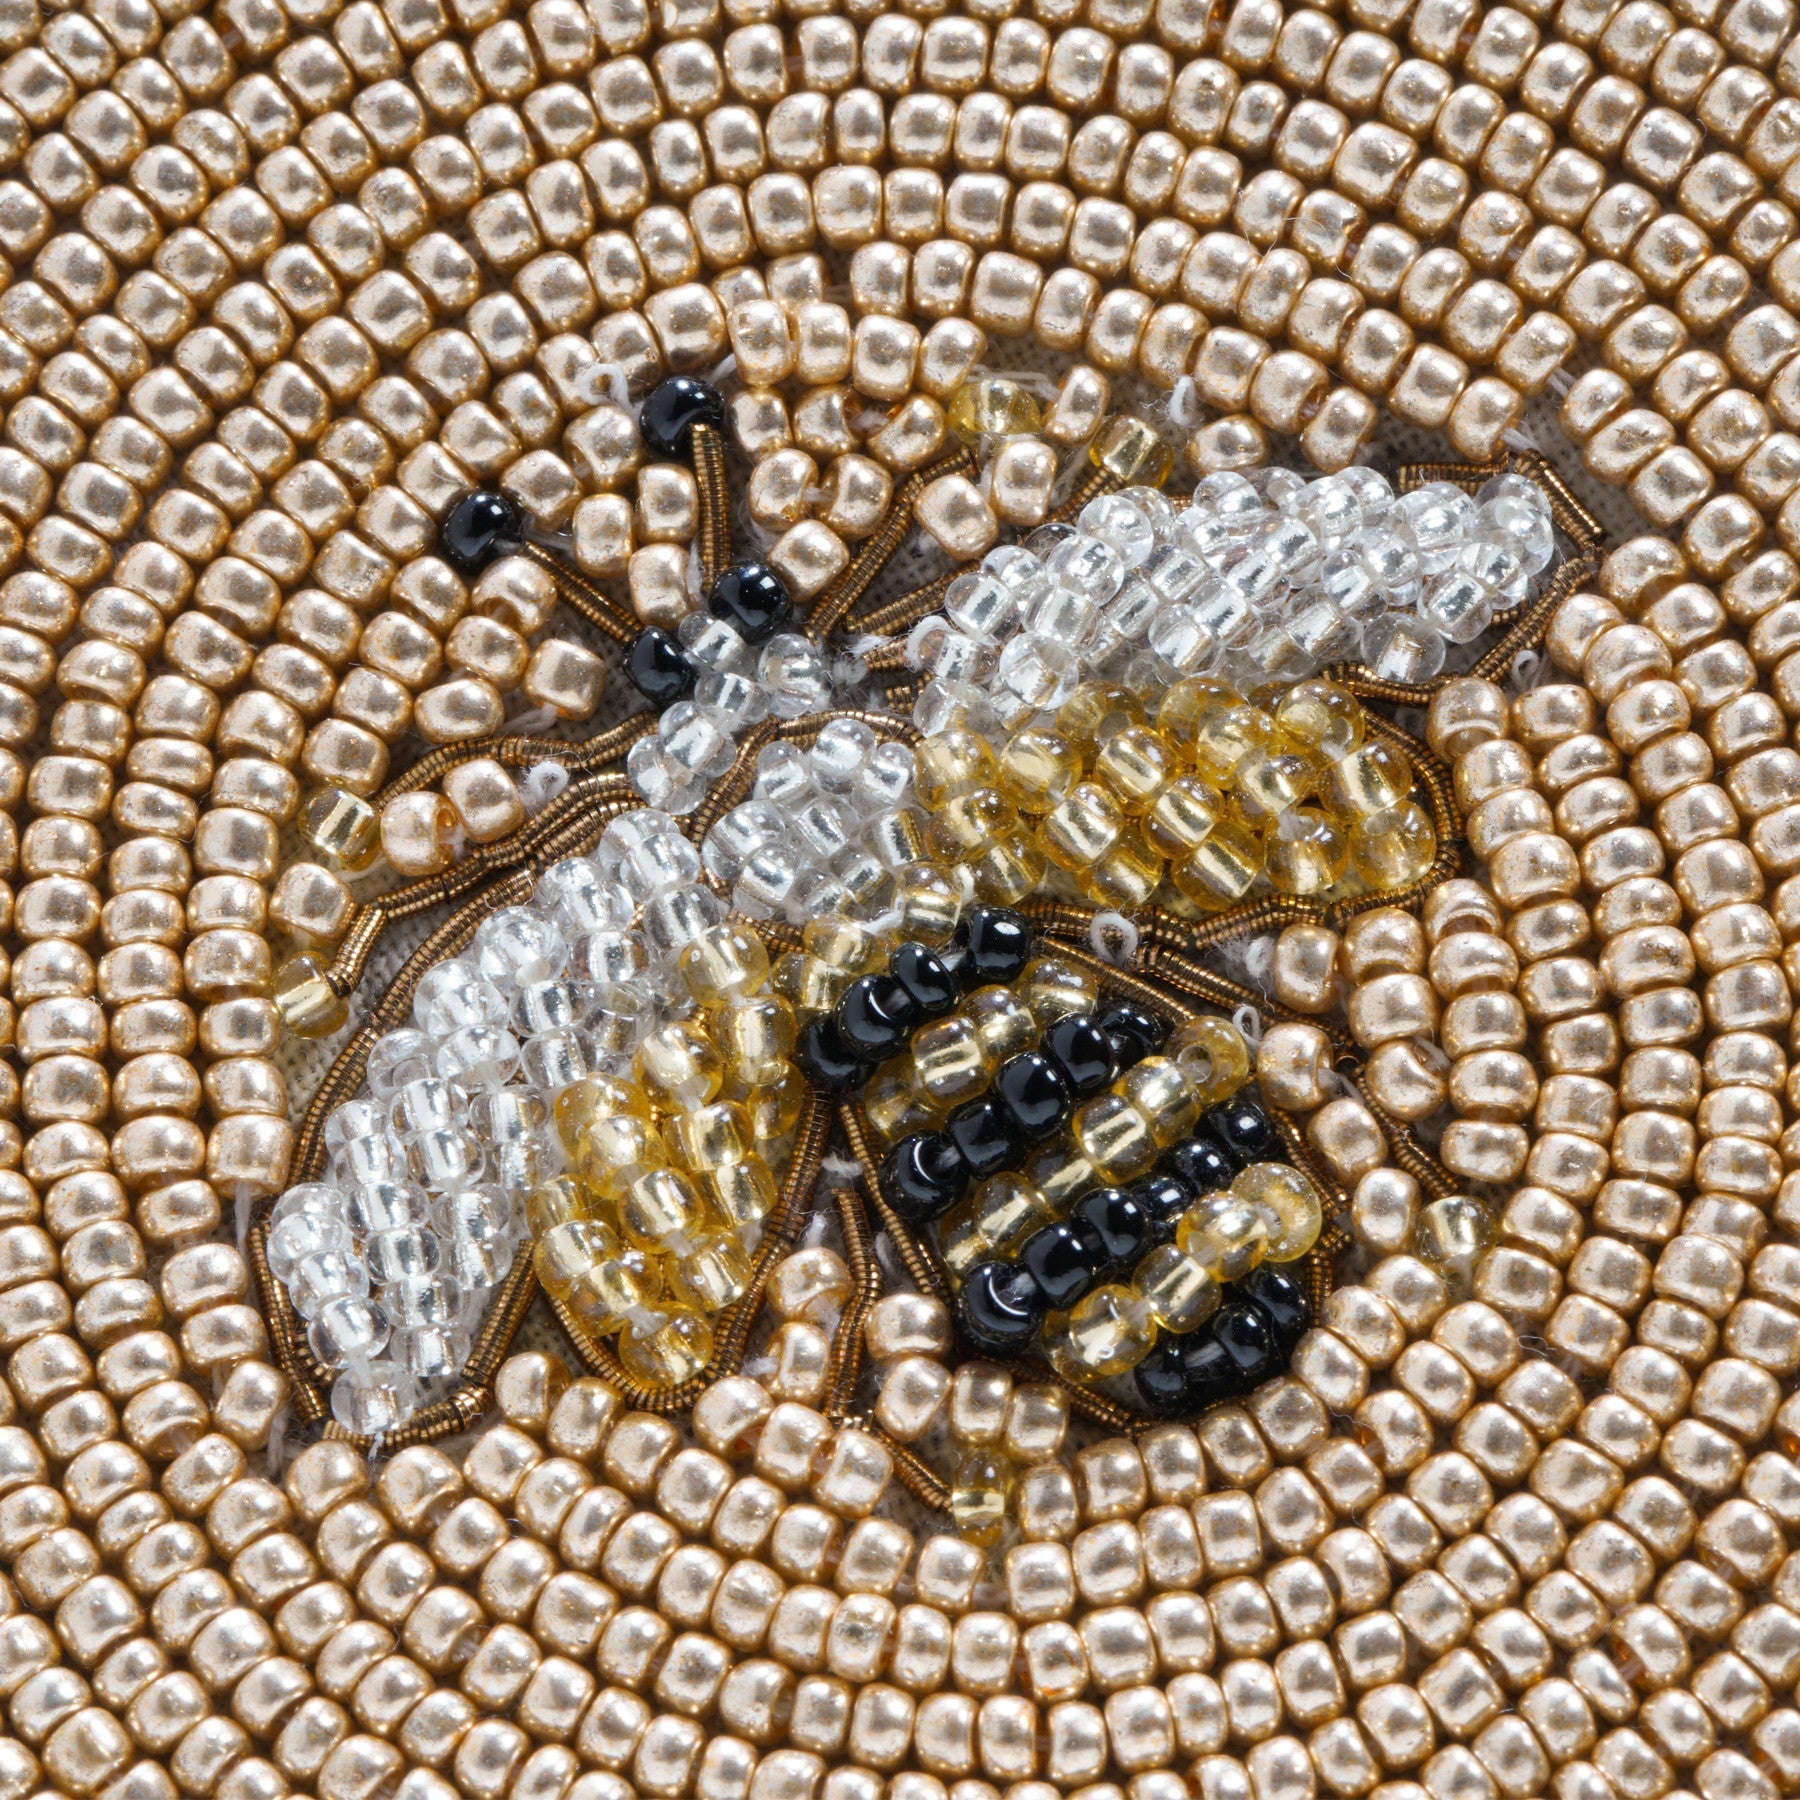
<point x="625" y="1094"/>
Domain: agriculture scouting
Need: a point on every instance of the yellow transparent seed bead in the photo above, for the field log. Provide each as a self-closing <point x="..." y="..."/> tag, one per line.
<point x="993" y="406"/>
<point x="1290" y="1200"/>
<point x="604" y="1296"/>
<point x="847" y="946"/>
<point x="1179" y="711"/>
<point x="1372" y="778"/>
<point x="1125" y="878"/>
<point x="664" y="1211"/>
<point x="1227" y="1237"/>
<point x="756" y="1037"/>
<point x="1221" y="871"/>
<point x="1306" y="852"/>
<point x="1395" y="848"/>
<point x="949" y="1064"/>
<point x="960" y="1242"/>
<point x="615" y="1152"/>
<point x="725" y="962"/>
<point x="1107" y="1332"/>
<point x="1062" y="1173"/>
<point x="309" y="1005"/>
<point x="715" y="1273"/>
<point x="594" y="1097"/>
<point x="1136" y="764"/>
<point x="1224" y="734"/>
<point x="892" y="1104"/>
<point x="1115" y="1137"/>
<point x="980" y="1490"/>
<point x="1319" y="717"/>
<point x="679" y="1066"/>
<point x="743" y="1194"/>
<point x="952" y="763"/>
<point x="1165" y="1097"/>
<point x="1053" y="989"/>
<point x="1183" y="816"/>
<point x="809" y="985"/>
<point x="556" y="1202"/>
<point x="710" y="1137"/>
<point x="675" y="1352"/>
<point x="929" y="904"/>
<point x="970" y="824"/>
<point x="1037" y="769"/>
<point x="1007" y="873"/>
<point x="1129" y="449"/>
<point x="341" y="826"/>
<point x="1094" y="711"/>
<point x="1003" y="1023"/>
<point x="1081" y="828"/>
<point x="774" y="1106"/>
<point x="1006" y="1209"/>
<point x="1265" y="785"/>
<point x="1180" y="1294"/>
<point x="568" y="1251"/>
<point x="1212" y="1054"/>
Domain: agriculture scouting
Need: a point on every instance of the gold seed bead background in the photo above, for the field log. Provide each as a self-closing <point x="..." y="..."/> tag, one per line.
<point x="243" y="252"/>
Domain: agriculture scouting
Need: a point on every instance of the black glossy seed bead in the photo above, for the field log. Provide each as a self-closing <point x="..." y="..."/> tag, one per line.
<point x="753" y="600"/>
<point x="1083" y="1052"/>
<point x="981" y="1130"/>
<point x="1249" y="1337"/>
<point x="1134" y="1033"/>
<point x="1119" y="1220"/>
<point x="1036" y="1098"/>
<point x="1244" y="1129"/>
<point x="998" y="942"/>
<point x="1202" y="1162"/>
<point x="674" y="407"/>
<point x="659" y="668"/>
<point x="922" y="973"/>
<point x="1162" y="1378"/>
<point x="874" y="1014"/>
<point x="479" y="529"/>
<point x="825" y="1059"/>
<point x="1277" y="1291"/>
<point x="924" y="1175"/>
<point x="1064" y="1260"/>
<point x="1162" y="1198"/>
<point x="1211" y="1370"/>
<point x="1000" y="1307"/>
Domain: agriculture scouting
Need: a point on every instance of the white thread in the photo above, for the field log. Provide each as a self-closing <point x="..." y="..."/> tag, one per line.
<point x="694" y="579"/>
<point x="1109" y="929"/>
<point x="240" y="1211"/>
<point x="888" y="1256"/>
<point x="375" y="1444"/>
<point x="529" y="724"/>
<point x="1259" y="959"/>
<point x="1185" y="410"/>
<point x="1516" y="440"/>
<point x="840" y="1168"/>
<point x="459" y="839"/>
<point x="1560" y="382"/>
<point x="542" y="783"/>
<point x="1249" y="1023"/>
<point x="1526" y="667"/>
<point x="723" y="371"/>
